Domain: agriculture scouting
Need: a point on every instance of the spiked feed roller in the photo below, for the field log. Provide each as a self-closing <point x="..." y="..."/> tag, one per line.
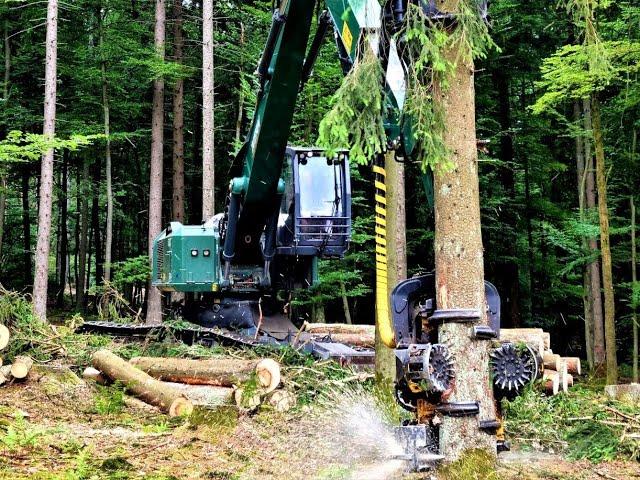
<point x="513" y="367"/>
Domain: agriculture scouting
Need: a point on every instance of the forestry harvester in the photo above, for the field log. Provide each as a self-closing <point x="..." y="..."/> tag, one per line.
<point x="289" y="206"/>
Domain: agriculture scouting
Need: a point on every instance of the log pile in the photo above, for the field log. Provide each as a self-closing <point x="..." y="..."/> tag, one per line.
<point x="177" y="385"/>
<point x="559" y="372"/>
<point x="349" y="334"/>
<point x="21" y="366"/>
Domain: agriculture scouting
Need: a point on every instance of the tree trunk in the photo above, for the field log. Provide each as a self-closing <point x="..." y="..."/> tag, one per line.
<point x="64" y="235"/>
<point x="152" y="391"/>
<point x="634" y="282"/>
<point x="5" y="99"/>
<point x="26" y="225"/>
<point x="587" y="295"/>
<point x="83" y="192"/>
<point x="3" y="206"/>
<point x="178" y="120"/>
<point x="240" y="115"/>
<point x="208" y="181"/>
<point x="459" y="261"/>
<point x="154" y="300"/>
<point x="607" y="269"/>
<point x="224" y="372"/>
<point x="41" y="277"/>
<point x="95" y="228"/>
<point x="594" y="267"/>
<point x="318" y="313"/>
<point x="107" y="156"/>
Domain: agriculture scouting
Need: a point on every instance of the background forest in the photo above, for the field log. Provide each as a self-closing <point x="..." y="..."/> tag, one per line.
<point x="539" y="237"/>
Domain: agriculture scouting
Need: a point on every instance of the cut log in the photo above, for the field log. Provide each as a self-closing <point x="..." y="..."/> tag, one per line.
<point x="5" y="374"/>
<point x="4" y="337"/>
<point x="206" y="395"/>
<point x="355" y="339"/>
<point x="564" y="376"/>
<point x="246" y="401"/>
<point x="627" y="393"/>
<point x="94" y="375"/>
<point x="570" y="380"/>
<point x="21" y="366"/>
<point x="552" y="361"/>
<point x="152" y="391"/>
<point x="282" y="400"/>
<point x="515" y="335"/>
<point x="222" y="372"/>
<point x="551" y="380"/>
<point x="574" y="366"/>
<point x="327" y="328"/>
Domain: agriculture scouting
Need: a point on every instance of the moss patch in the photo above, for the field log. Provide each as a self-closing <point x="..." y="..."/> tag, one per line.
<point x="473" y="464"/>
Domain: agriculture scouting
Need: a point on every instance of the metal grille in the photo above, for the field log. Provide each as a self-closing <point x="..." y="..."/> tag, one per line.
<point x="160" y="259"/>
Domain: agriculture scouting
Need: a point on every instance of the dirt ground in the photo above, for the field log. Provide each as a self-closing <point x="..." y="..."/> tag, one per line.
<point x="63" y="428"/>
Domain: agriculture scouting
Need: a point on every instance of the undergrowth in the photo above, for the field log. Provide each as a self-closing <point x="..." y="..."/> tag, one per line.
<point x="584" y="423"/>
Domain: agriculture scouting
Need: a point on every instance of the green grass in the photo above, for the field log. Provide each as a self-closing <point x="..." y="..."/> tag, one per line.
<point x="583" y="423"/>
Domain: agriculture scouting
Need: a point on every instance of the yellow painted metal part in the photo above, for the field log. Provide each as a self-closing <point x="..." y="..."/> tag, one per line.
<point x="383" y="317"/>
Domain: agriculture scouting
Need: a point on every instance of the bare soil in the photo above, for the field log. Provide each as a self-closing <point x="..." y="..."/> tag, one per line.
<point x="52" y="428"/>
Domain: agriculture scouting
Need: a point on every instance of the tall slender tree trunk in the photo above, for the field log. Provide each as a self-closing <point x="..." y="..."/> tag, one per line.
<point x="26" y="225"/>
<point x="240" y="93"/>
<point x="154" y="300"/>
<point x="208" y="180"/>
<point x="107" y="153"/>
<point x="41" y="277"/>
<point x="634" y="280"/>
<point x="64" y="234"/>
<point x="178" y="120"/>
<point x="345" y="303"/>
<point x="605" y="248"/>
<point x="396" y="246"/>
<point x="634" y="261"/>
<point x="5" y="100"/>
<point x="587" y="295"/>
<point x="83" y="193"/>
<point x="96" y="228"/>
<point x="459" y="260"/>
<point x="599" y="357"/>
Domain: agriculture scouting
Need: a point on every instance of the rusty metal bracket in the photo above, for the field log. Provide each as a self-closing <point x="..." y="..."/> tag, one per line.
<point x="456" y="315"/>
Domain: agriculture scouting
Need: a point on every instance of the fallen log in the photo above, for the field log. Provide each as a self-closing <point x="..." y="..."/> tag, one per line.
<point x="331" y="328"/>
<point x="4" y="337"/>
<point x="246" y="399"/>
<point x="570" y="380"/>
<point x="574" y="365"/>
<point x="21" y="366"/>
<point x="515" y="332"/>
<point x="355" y="339"/>
<point x="205" y="395"/>
<point x="551" y="380"/>
<point x="222" y="372"/>
<point x="533" y="339"/>
<point x="94" y="375"/>
<point x="155" y="392"/>
<point x="564" y="376"/>
<point x="552" y="361"/>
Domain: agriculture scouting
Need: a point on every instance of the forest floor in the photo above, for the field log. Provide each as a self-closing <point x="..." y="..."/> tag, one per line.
<point x="57" y="426"/>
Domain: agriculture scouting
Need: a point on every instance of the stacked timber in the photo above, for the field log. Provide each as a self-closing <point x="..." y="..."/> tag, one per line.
<point x="21" y="366"/>
<point x="559" y="372"/>
<point x="177" y="385"/>
<point x="349" y="334"/>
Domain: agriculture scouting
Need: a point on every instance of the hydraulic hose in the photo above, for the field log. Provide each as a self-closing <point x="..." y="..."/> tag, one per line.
<point x="383" y="317"/>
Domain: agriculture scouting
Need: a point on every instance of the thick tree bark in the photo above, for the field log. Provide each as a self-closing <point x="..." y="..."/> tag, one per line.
<point x="459" y="261"/>
<point x="5" y="99"/>
<point x="587" y="295"/>
<point x="107" y="156"/>
<point x="208" y="181"/>
<point x="396" y="257"/>
<point x="64" y="234"/>
<point x="594" y="267"/>
<point x="83" y="192"/>
<point x="605" y="248"/>
<point x="178" y="120"/>
<point x="154" y="300"/>
<point x="41" y="277"/>
<point x="155" y="392"/>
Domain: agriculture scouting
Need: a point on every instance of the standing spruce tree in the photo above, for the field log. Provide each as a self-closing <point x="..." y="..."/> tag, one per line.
<point x="208" y="182"/>
<point x="154" y="299"/>
<point x="41" y="278"/>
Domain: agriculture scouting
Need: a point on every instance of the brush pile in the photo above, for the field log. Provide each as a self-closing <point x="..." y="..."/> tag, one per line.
<point x="176" y="385"/>
<point x="559" y="372"/>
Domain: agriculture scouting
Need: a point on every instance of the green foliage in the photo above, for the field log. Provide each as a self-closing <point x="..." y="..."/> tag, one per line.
<point x="132" y="271"/>
<point x="472" y="465"/>
<point x="20" y="434"/>
<point x="355" y="120"/>
<point x="109" y="400"/>
<point x="20" y="147"/>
